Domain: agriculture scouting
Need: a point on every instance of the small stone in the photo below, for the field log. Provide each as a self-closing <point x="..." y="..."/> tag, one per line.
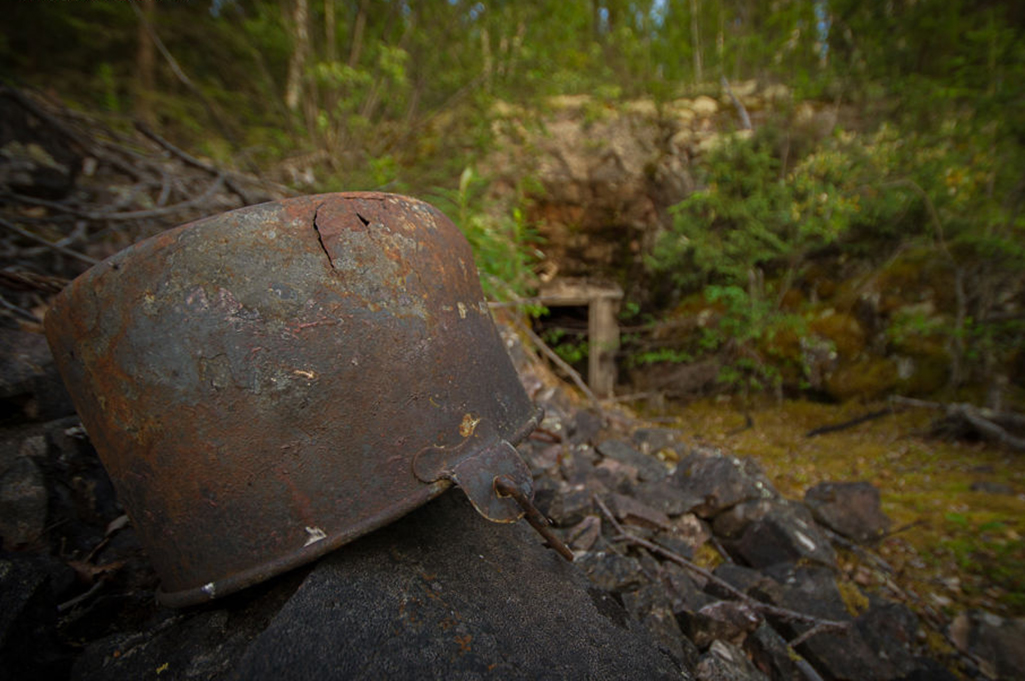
<point x="23" y="496"/>
<point x="583" y="536"/>
<point x="571" y="506"/>
<point x="994" y="640"/>
<point x="691" y="529"/>
<point x="648" y="467"/>
<point x="575" y="466"/>
<point x="666" y="497"/>
<point x="741" y="578"/>
<point x="653" y="440"/>
<point x="683" y="589"/>
<point x="649" y="606"/>
<point x="671" y="542"/>
<point x="988" y="487"/>
<point x="616" y="476"/>
<point x="891" y="629"/>
<point x="726" y="662"/>
<point x="809" y="589"/>
<point x="28" y="622"/>
<point x="721" y="620"/>
<point x="633" y="512"/>
<point x="785" y="534"/>
<point x="611" y="571"/>
<point x="540" y="457"/>
<point x="849" y="508"/>
<point x="586" y="426"/>
<point x="721" y="482"/>
<point x="769" y="652"/>
<point x="29" y="381"/>
<point x="732" y="522"/>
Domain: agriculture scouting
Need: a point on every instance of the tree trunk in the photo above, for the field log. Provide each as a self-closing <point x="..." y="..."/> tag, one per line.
<point x="330" y="49"/>
<point x="357" y="34"/>
<point x="695" y="38"/>
<point x="300" y="47"/>
<point x="145" y="63"/>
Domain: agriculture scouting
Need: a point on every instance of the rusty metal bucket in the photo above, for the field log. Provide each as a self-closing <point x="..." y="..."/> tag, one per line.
<point x="268" y="384"/>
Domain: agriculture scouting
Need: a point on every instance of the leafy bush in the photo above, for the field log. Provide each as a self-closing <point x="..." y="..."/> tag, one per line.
<point x="503" y="244"/>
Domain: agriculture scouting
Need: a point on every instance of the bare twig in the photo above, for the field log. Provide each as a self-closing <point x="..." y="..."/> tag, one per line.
<point x="822" y="430"/>
<point x="81" y="598"/>
<point x="820" y="625"/>
<point x="30" y="281"/>
<point x="562" y="364"/>
<point x="193" y="161"/>
<point x="867" y="556"/>
<point x="24" y="314"/>
<point x="10" y="226"/>
<point x="128" y="215"/>
<point x="985" y="421"/>
<point x="745" y="120"/>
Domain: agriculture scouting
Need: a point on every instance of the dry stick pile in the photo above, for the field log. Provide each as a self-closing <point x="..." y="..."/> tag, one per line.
<point x="74" y="190"/>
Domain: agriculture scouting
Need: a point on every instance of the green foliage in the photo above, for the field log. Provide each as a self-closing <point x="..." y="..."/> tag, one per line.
<point x="401" y="96"/>
<point x="503" y="245"/>
<point x="108" y="86"/>
<point x="659" y="356"/>
<point x="989" y="551"/>
<point x="746" y="328"/>
<point x="755" y="214"/>
<point x="572" y="347"/>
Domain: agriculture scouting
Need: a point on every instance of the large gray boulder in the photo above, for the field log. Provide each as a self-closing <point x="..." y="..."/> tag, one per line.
<point x="446" y="594"/>
<point x="440" y="594"/>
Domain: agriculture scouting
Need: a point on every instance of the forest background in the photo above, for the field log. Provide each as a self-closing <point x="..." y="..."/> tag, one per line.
<point x="921" y="181"/>
<point x="879" y="251"/>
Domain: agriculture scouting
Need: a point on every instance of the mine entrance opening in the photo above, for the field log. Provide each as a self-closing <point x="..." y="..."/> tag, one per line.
<point x="582" y="327"/>
<point x="565" y="329"/>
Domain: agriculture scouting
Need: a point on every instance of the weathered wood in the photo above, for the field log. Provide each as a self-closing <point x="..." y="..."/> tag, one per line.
<point x="602" y="303"/>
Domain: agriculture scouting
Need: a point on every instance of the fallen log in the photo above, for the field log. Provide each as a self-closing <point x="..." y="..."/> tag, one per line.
<point x="961" y="417"/>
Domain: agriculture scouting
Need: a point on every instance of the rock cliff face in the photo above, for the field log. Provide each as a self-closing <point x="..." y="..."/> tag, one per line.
<point x="601" y="182"/>
<point x="607" y="176"/>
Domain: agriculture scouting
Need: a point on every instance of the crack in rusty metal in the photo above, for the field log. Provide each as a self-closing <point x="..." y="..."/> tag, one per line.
<point x="320" y="237"/>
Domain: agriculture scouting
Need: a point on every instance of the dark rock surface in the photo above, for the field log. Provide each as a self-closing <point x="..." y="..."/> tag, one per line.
<point x="998" y="644"/>
<point x="648" y="467"/>
<point x="444" y="594"/>
<point x="720" y="481"/>
<point x="29" y="647"/>
<point x="849" y="508"/>
<point x="29" y="384"/>
<point x="778" y="533"/>
<point x="441" y="593"/>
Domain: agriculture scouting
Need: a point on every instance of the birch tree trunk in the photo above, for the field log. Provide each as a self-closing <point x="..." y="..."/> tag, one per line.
<point x="329" y="31"/>
<point x="300" y="48"/>
<point x="695" y="38"/>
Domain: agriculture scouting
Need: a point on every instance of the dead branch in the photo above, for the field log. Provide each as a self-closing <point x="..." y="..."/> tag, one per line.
<point x="18" y="280"/>
<point x="985" y="422"/>
<point x="214" y="187"/>
<point x="24" y="314"/>
<point x="844" y="425"/>
<point x="193" y="161"/>
<point x="861" y="552"/>
<point x="745" y="120"/>
<point x="40" y="240"/>
<point x="820" y="625"/>
<point x="562" y="365"/>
